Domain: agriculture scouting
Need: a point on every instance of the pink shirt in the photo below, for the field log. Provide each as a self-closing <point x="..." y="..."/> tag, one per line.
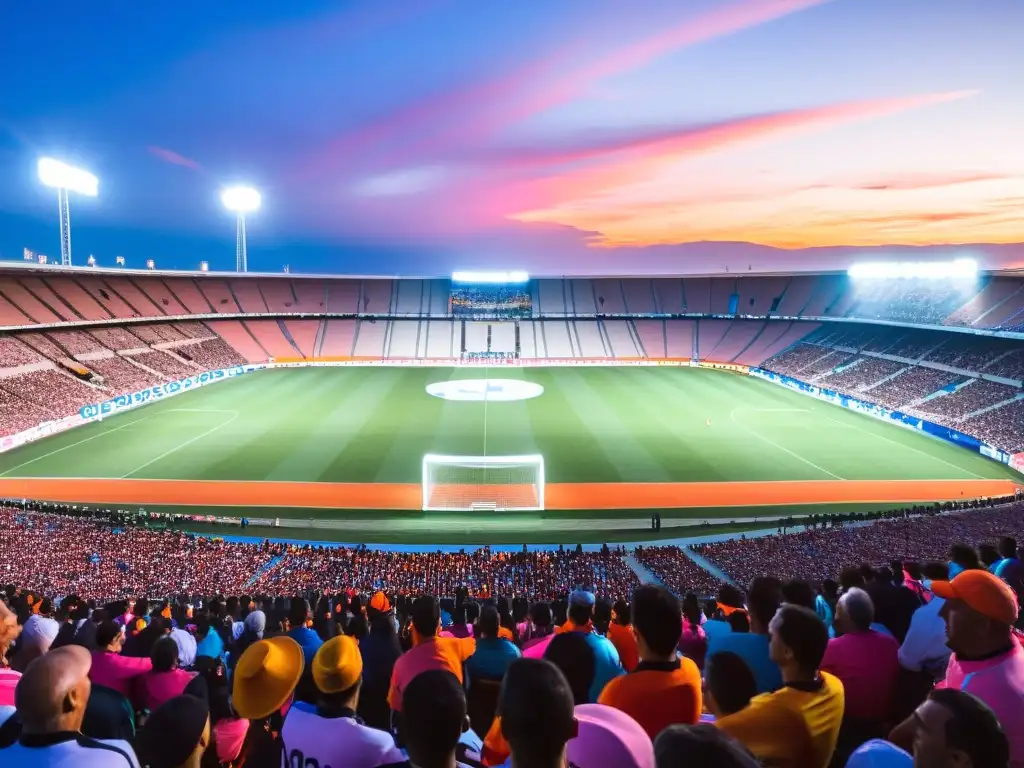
<point x="154" y="688"/>
<point x="116" y="671"/>
<point x="535" y="648"/>
<point x="868" y="665"/>
<point x="999" y="682"/>
<point x="8" y="682"/>
<point x="447" y="653"/>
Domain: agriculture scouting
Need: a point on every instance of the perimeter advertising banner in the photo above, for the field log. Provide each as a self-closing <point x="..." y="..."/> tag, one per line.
<point x="160" y="391"/>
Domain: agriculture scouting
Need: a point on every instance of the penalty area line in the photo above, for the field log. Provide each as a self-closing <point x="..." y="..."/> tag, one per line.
<point x="200" y="436"/>
<point x="759" y="436"/>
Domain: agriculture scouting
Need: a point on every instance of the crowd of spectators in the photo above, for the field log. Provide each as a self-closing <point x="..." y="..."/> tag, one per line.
<point x="17" y="415"/>
<point x="911" y="300"/>
<point x="13" y="353"/>
<point x="952" y="408"/>
<point x="677" y="571"/>
<point x="491" y="300"/>
<point x="910" y="386"/>
<point x="1002" y="427"/>
<point x="158" y="333"/>
<point x="163" y="363"/>
<point x="58" y="393"/>
<point x="121" y="376"/>
<point x="210" y="355"/>
<point x="853" y="378"/>
<point x="117" y="338"/>
<point x="161" y="650"/>
<point x="76" y="342"/>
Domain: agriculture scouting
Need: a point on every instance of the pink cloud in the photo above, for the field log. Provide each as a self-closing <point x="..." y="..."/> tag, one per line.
<point x="172" y="157"/>
<point x="479" y="110"/>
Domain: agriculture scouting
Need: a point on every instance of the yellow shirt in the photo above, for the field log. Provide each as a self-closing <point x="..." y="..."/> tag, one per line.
<point x="792" y="727"/>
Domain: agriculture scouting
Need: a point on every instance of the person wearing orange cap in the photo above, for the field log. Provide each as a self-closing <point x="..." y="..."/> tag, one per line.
<point x="330" y="732"/>
<point x="987" y="659"/>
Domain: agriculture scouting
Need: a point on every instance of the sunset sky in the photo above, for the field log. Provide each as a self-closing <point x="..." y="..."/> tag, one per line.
<point x="426" y="135"/>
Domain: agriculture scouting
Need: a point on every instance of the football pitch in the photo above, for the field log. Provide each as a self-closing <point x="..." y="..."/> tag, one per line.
<point x="340" y="449"/>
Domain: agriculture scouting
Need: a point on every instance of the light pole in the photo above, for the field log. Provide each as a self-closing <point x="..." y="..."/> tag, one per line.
<point x="241" y="200"/>
<point x="65" y="178"/>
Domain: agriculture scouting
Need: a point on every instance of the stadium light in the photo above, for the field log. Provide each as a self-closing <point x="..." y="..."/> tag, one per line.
<point x="490" y="277"/>
<point x="957" y="269"/>
<point x="240" y="200"/>
<point x="66" y="178"/>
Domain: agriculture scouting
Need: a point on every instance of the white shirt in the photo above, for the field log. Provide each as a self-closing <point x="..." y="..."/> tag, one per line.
<point x="69" y="750"/>
<point x="924" y="648"/>
<point x="338" y="742"/>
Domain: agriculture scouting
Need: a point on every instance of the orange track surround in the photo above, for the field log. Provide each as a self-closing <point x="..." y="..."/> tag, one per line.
<point x="558" y="495"/>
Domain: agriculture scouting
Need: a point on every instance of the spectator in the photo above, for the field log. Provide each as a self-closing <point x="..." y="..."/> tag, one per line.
<point x="606" y="658"/>
<point x="379" y="649"/>
<point x="298" y="619"/>
<point x="987" y="658"/>
<point x="865" y="661"/>
<point x="111" y="668"/>
<point x="537" y="714"/>
<point x="729" y="685"/>
<point x="51" y="699"/>
<point x="924" y="648"/>
<point x="541" y="628"/>
<point x="264" y="681"/>
<point x="620" y="632"/>
<point x="693" y="643"/>
<point x="209" y="642"/>
<point x="730" y="600"/>
<point x="1009" y="562"/>
<point x="9" y="631"/>
<point x="763" y="597"/>
<point x="434" y="719"/>
<point x="894" y="606"/>
<point x="700" y="746"/>
<point x="228" y="730"/>
<point x="176" y="735"/>
<point x="429" y="651"/>
<point x="798" y="725"/>
<point x="664" y="689"/>
<point x="165" y="680"/>
<point x="329" y="733"/>
<point x="956" y="728"/>
<point x="493" y="654"/>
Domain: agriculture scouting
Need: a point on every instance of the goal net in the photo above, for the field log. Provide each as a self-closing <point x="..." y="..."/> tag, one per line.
<point x="467" y="483"/>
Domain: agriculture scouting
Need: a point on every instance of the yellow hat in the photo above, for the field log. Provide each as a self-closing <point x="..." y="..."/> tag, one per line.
<point x="265" y="676"/>
<point x="338" y="665"/>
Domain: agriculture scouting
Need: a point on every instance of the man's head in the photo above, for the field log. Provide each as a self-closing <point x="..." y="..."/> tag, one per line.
<point x="164" y="655"/>
<point x="177" y="734"/>
<point x="433" y="718"/>
<point x="730" y="596"/>
<point x="798" y="642"/>
<point x="957" y="730"/>
<point x="980" y="611"/>
<point x="109" y="637"/>
<point x="729" y="685"/>
<point x="53" y="692"/>
<point x="572" y="654"/>
<point x="298" y="612"/>
<point x="536" y="708"/>
<point x="426" y="616"/>
<point x="1008" y="546"/>
<point x="700" y="746"/>
<point x="798" y="592"/>
<point x="964" y="557"/>
<point x="540" y="614"/>
<point x="581" y="607"/>
<point x="489" y="622"/>
<point x="621" y="613"/>
<point x="855" y="612"/>
<point x="763" y="597"/>
<point x="657" y="622"/>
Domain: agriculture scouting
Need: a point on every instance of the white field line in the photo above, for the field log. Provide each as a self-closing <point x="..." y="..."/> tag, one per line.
<point x="79" y="442"/>
<point x="200" y="436"/>
<point x="902" y="445"/>
<point x="759" y="436"/>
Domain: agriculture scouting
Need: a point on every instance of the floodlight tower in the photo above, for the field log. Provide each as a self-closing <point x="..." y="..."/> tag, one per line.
<point x="65" y="178"/>
<point x="241" y="200"/>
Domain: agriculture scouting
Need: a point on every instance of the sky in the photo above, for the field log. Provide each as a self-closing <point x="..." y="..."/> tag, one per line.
<point x="574" y="137"/>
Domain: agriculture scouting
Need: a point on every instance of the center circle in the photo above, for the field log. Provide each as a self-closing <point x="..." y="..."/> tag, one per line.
<point x="491" y="390"/>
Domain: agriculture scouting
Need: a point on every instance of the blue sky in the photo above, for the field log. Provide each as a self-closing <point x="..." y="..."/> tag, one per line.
<point x="426" y="135"/>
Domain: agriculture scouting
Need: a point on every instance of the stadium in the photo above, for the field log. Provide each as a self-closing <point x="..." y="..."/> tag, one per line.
<point x="586" y="387"/>
<point x="549" y="410"/>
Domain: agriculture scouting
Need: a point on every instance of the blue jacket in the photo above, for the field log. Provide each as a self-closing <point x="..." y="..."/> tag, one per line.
<point x="308" y="640"/>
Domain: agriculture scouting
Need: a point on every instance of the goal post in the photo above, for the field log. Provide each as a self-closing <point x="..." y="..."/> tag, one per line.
<point x="472" y="483"/>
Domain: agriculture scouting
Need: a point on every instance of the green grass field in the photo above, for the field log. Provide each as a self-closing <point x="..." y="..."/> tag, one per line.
<point x="612" y="424"/>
